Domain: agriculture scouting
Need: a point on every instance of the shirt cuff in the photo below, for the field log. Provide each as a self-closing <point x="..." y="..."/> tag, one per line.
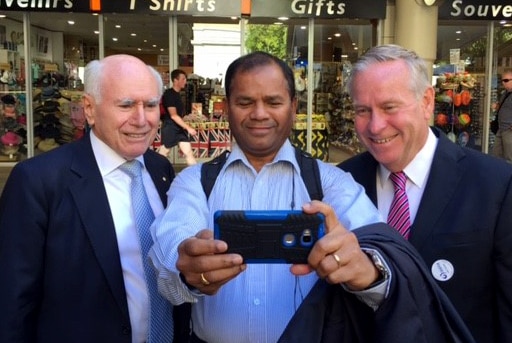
<point x="375" y="295"/>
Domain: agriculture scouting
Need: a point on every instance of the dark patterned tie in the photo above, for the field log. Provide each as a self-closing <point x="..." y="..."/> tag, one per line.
<point x="160" y="319"/>
<point x="399" y="216"/>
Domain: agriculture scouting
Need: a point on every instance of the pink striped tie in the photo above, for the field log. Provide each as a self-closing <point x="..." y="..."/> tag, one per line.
<point x="399" y="216"/>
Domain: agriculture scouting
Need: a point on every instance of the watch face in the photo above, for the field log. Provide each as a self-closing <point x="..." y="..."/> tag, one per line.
<point x="429" y="2"/>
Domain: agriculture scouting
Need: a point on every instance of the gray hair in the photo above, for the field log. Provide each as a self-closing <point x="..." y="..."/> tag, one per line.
<point x="93" y="77"/>
<point x="419" y="76"/>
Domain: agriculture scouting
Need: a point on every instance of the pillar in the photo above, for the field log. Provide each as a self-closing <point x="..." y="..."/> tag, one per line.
<point x="416" y="28"/>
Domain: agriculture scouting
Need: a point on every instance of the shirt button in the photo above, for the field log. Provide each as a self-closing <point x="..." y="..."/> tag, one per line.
<point x="256" y="301"/>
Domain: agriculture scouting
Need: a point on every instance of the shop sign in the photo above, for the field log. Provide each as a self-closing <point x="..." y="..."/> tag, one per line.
<point x="328" y="9"/>
<point x="476" y="10"/>
<point x="45" y="5"/>
<point x="206" y="8"/>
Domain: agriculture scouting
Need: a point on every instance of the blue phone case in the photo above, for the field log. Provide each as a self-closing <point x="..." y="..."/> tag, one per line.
<point x="269" y="236"/>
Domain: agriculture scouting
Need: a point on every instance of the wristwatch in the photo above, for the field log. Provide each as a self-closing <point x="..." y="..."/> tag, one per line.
<point x="379" y="264"/>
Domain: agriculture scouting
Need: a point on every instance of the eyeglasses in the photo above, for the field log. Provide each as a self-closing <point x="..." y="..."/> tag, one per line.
<point x="506" y="80"/>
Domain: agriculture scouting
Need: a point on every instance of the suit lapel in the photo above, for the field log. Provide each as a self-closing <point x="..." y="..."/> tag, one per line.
<point x="92" y="203"/>
<point x="442" y="182"/>
<point x="161" y="174"/>
<point x="366" y="174"/>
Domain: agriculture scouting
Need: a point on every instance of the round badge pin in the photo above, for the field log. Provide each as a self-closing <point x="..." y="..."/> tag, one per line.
<point x="442" y="270"/>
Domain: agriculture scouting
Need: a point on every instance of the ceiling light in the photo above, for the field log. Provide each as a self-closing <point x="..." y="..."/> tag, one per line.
<point x="133" y="34"/>
<point x="2" y="16"/>
<point x="71" y="22"/>
<point x="96" y="32"/>
<point x="118" y="26"/>
<point x="283" y="18"/>
<point x="115" y="39"/>
<point x="303" y="27"/>
<point x="278" y="23"/>
<point x="337" y="34"/>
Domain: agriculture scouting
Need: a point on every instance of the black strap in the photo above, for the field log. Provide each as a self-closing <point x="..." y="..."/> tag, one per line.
<point x="308" y="171"/>
<point x="310" y="174"/>
<point x="210" y="170"/>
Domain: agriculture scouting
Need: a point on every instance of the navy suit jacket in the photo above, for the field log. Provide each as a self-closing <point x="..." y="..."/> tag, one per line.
<point x="464" y="217"/>
<point x="416" y="310"/>
<point x="61" y="277"/>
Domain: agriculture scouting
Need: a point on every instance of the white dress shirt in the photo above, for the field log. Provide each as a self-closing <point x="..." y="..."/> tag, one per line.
<point x="117" y="186"/>
<point x="417" y="172"/>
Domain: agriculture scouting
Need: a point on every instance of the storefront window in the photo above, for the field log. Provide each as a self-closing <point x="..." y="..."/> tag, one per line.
<point x="337" y="46"/>
<point x="200" y="40"/>
<point x="460" y="79"/>
<point x="467" y="84"/>
<point x="320" y="83"/>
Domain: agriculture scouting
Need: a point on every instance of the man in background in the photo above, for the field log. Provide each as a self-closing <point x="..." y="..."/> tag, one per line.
<point x="175" y="131"/>
<point x="503" y="141"/>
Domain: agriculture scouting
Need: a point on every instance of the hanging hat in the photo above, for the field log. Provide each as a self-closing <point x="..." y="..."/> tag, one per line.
<point x="8" y="99"/>
<point x="47" y="144"/>
<point x="47" y="92"/>
<point x="10" y="138"/>
<point x="50" y="106"/>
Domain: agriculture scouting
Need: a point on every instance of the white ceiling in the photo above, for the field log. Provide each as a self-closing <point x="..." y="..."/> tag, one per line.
<point x="154" y="30"/>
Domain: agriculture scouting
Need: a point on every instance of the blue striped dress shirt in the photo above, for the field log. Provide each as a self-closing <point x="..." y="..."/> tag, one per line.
<point x="257" y="305"/>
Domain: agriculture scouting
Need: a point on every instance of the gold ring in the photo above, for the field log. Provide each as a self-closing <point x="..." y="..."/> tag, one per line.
<point x="204" y="281"/>
<point x="337" y="259"/>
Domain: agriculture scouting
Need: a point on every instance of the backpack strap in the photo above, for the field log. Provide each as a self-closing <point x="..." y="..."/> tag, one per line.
<point x="308" y="171"/>
<point x="210" y="170"/>
<point x="310" y="174"/>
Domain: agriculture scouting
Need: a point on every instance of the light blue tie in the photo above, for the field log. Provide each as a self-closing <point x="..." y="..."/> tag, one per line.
<point x="160" y="319"/>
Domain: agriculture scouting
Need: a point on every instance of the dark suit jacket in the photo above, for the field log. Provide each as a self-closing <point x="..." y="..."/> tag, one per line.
<point x="464" y="217"/>
<point x="61" y="278"/>
<point x="416" y="309"/>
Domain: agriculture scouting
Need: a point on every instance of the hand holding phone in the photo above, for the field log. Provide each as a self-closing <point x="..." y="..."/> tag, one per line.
<point x="269" y="236"/>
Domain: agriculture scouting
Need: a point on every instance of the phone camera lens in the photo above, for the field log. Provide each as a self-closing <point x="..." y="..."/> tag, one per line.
<point x="306" y="237"/>
<point x="289" y="240"/>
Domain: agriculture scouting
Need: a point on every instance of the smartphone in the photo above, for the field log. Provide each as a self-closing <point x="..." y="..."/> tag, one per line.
<point x="269" y="236"/>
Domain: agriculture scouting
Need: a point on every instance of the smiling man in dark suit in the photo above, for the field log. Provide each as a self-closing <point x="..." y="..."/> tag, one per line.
<point x="459" y="200"/>
<point x="70" y="260"/>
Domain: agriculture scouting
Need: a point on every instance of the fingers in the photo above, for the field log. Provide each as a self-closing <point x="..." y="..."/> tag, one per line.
<point x="348" y="265"/>
<point x="337" y="257"/>
<point x="331" y="220"/>
<point x="210" y="282"/>
<point x="204" y="264"/>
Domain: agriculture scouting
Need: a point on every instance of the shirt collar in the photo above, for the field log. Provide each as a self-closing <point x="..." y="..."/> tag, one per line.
<point x="286" y="153"/>
<point x="419" y="168"/>
<point x="106" y="158"/>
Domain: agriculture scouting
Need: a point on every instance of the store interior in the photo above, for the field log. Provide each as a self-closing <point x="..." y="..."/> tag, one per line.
<point x="62" y="44"/>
